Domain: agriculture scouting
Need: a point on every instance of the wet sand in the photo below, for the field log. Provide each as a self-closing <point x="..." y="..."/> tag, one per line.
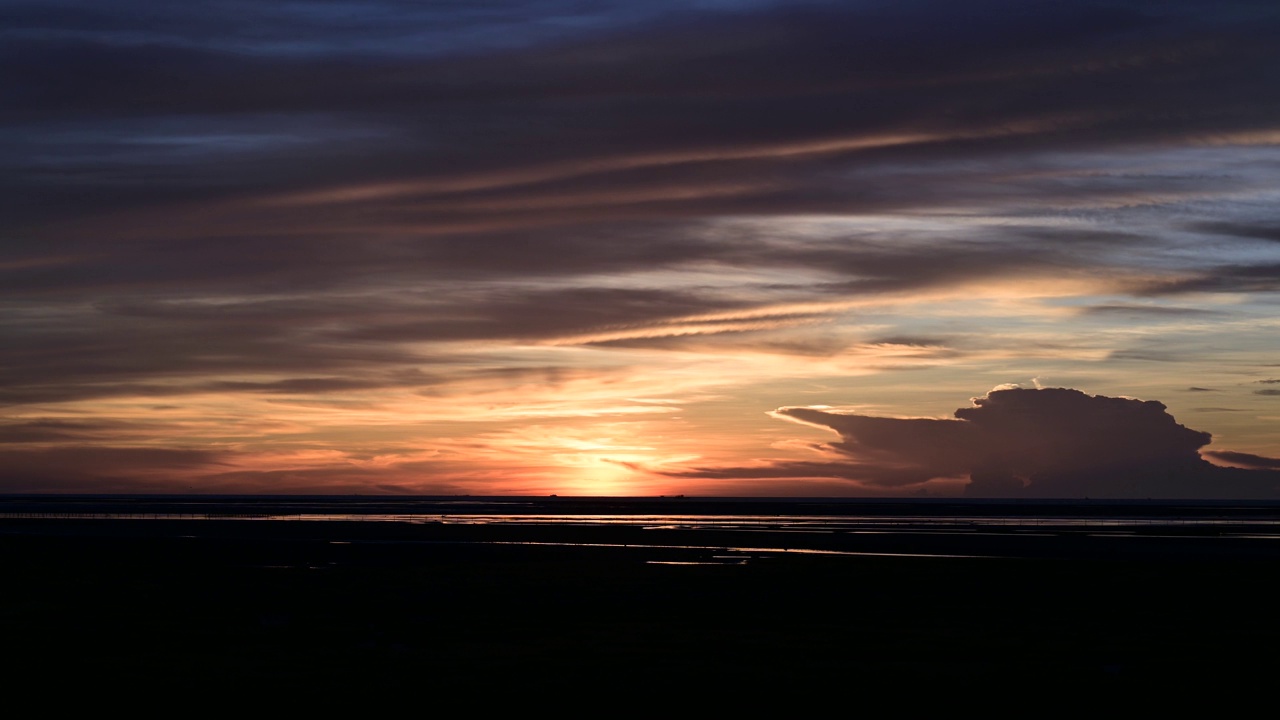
<point x="529" y="611"/>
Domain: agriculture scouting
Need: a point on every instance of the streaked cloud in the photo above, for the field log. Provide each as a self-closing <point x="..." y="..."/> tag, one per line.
<point x="265" y="242"/>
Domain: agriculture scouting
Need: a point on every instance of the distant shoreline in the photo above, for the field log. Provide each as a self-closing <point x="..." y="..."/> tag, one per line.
<point x="588" y="503"/>
<point x="679" y="527"/>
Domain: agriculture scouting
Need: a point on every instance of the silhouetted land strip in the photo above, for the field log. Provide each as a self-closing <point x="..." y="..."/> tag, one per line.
<point x="528" y="609"/>
<point x="231" y="505"/>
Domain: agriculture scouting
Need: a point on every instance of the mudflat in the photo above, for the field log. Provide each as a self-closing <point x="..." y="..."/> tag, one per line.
<point x="288" y="607"/>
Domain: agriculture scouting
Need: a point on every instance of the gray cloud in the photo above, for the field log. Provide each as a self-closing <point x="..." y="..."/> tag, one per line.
<point x="76" y="468"/>
<point x="1147" y="312"/>
<point x="568" y="156"/>
<point x="1051" y="442"/>
<point x="1247" y="460"/>
<point x="338" y="317"/>
<point x="313" y="198"/>
<point x="1239" y="229"/>
<point x="1259" y="277"/>
<point x="668" y="83"/>
<point x="46" y="431"/>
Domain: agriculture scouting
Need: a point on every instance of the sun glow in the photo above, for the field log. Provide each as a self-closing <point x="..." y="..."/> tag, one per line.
<point x="601" y="475"/>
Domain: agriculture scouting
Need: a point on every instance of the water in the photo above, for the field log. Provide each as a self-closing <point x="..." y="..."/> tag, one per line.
<point x="736" y="528"/>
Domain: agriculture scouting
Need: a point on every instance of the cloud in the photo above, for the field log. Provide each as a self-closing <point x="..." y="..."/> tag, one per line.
<point x="1248" y="231"/>
<point x="605" y="149"/>
<point x="260" y="204"/>
<point x="702" y="95"/>
<point x="84" y="468"/>
<point x="1020" y="442"/>
<point x="1146" y="312"/>
<point x="1263" y="277"/>
<point x="1244" y="460"/>
<point x="146" y="319"/>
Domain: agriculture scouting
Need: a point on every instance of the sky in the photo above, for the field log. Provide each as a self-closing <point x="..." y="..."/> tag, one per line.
<point x="608" y="247"/>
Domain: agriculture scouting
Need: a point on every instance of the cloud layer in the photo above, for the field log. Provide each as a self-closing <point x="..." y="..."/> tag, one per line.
<point x="296" y="237"/>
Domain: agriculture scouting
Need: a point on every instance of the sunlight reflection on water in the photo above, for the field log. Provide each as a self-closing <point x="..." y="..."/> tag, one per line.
<point x="721" y="536"/>
<point x="1261" y="526"/>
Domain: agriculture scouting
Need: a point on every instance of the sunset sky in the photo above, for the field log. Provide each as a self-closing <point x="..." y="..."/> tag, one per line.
<point x="621" y="247"/>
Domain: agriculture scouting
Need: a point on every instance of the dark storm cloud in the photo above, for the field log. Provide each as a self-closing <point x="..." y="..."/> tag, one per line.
<point x="1051" y="442"/>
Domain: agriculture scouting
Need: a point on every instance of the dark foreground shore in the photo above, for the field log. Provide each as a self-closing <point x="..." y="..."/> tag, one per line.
<point x="319" y="609"/>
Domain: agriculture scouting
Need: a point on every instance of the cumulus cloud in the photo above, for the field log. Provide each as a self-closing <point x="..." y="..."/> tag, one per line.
<point x="1020" y="442"/>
